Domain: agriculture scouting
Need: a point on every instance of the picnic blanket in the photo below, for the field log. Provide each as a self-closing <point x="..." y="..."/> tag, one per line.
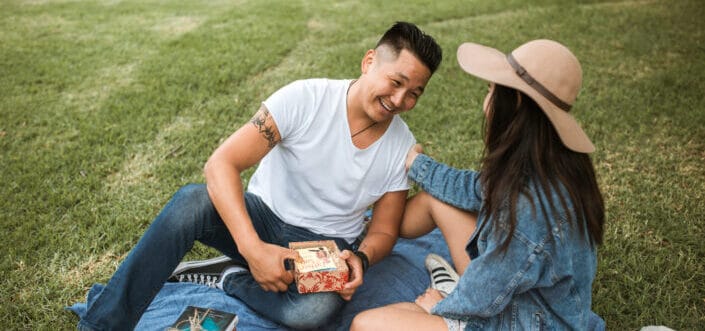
<point x="400" y="277"/>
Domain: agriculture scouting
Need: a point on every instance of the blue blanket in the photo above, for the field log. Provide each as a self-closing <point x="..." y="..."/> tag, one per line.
<point x="399" y="277"/>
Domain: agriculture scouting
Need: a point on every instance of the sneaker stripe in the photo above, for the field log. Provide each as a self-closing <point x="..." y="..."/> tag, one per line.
<point x="442" y="275"/>
<point x="445" y="281"/>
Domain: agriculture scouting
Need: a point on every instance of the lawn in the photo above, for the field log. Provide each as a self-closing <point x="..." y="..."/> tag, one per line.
<point x="108" y="107"/>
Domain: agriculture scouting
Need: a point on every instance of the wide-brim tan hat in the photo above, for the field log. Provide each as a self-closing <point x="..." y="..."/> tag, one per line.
<point x="545" y="70"/>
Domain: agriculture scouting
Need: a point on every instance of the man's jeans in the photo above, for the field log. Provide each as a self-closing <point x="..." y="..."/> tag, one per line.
<point x="189" y="217"/>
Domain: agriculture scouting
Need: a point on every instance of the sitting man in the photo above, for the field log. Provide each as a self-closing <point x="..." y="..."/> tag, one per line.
<point x="327" y="149"/>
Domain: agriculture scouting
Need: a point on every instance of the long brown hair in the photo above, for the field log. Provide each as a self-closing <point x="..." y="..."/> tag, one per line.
<point x="522" y="148"/>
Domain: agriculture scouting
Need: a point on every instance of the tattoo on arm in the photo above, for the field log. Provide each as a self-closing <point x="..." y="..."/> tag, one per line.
<point x="259" y="121"/>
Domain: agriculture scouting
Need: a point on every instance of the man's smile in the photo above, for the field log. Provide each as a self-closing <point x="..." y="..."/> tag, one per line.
<point x="385" y="106"/>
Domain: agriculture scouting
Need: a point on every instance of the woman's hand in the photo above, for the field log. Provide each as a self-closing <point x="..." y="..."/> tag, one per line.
<point x="428" y="299"/>
<point x="412" y="154"/>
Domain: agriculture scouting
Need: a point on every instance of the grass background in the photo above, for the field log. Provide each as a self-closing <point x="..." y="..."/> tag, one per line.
<point x="108" y="107"/>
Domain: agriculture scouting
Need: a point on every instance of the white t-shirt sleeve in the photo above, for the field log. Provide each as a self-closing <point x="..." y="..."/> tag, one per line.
<point x="289" y="116"/>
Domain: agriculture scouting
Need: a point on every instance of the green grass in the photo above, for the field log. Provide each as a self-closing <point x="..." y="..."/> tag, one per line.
<point x="108" y="107"/>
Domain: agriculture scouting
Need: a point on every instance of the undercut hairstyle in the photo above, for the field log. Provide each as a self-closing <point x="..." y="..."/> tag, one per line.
<point x="404" y="35"/>
<point x="525" y="156"/>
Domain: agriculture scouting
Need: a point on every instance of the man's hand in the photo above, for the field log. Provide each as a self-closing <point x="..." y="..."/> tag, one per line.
<point x="428" y="299"/>
<point x="414" y="151"/>
<point x="355" y="265"/>
<point x="266" y="264"/>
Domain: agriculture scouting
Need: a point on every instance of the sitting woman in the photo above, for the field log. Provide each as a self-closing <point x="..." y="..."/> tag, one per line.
<point x="530" y="220"/>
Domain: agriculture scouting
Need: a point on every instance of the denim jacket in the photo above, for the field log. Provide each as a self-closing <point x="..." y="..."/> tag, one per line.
<point x="543" y="281"/>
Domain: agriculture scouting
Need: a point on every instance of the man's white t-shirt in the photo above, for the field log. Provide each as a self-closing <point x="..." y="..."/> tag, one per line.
<point x="315" y="177"/>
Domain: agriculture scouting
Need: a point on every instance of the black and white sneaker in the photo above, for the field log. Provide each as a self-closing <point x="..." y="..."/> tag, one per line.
<point x="210" y="280"/>
<point x="443" y="276"/>
<point x="204" y="272"/>
<point x="233" y="269"/>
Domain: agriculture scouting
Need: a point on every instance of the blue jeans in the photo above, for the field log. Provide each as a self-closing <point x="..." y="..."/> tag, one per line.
<point x="189" y="217"/>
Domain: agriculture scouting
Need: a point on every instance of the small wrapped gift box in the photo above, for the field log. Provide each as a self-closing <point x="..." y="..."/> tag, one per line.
<point x="320" y="268"/>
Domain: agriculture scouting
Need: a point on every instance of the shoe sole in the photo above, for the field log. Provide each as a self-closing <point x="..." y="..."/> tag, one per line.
<point x="213" y="266"/>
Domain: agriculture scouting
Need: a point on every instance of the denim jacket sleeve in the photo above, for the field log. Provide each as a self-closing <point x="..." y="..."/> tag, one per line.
<point x="460" y="188"/>
<point x="494" y="277"/>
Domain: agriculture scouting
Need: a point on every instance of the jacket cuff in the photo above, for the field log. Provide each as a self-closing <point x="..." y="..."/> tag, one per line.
<point x="419" y="168"/>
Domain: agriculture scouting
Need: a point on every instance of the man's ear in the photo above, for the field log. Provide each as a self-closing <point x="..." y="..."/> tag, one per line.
<point x="367" y="60"/>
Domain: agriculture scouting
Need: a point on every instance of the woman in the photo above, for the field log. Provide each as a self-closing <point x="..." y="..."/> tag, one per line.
<point x="530" y="220"/>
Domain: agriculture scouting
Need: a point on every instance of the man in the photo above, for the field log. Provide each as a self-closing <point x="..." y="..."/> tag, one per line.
<point x="327" y="149"/>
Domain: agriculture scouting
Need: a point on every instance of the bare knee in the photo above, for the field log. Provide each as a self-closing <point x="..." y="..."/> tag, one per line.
<point x="417" y="219"/>
<point x="392" y="317"/>
<point x="362" y="322"/>
<point x="428" y="204"/>
<point x="422" y="198"/>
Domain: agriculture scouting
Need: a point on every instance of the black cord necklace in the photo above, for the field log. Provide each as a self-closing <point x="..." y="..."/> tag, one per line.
<point x="369" y="126"/>
<point x="361" y="131"/>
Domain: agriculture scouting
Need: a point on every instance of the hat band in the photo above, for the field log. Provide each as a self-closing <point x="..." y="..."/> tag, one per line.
<point x="536" y="85"/>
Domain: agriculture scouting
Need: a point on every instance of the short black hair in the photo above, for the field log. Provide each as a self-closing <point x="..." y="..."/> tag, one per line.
<point x="404" y="35"/>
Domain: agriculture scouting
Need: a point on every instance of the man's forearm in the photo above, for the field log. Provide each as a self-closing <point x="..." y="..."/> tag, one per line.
<point x="226" y="192"/>
<point x="377" y="245"/>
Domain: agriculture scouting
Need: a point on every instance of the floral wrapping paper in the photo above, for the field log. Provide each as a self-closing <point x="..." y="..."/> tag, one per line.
<point x="332" y="279"/>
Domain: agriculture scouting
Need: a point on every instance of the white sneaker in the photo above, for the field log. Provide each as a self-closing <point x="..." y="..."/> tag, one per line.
<point x="443" y="276"/>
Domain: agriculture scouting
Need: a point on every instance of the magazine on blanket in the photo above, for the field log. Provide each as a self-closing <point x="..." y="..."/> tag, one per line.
<point x="204" y="319"/>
